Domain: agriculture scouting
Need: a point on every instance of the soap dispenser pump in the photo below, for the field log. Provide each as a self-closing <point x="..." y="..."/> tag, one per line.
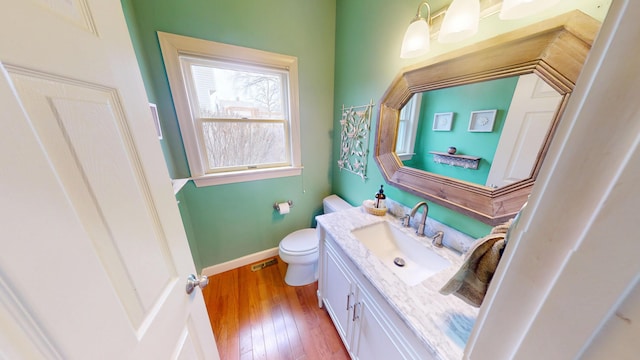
<point x="380" y="197"/>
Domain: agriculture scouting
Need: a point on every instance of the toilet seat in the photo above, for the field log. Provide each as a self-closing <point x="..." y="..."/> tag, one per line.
<point x="300" y="242"/>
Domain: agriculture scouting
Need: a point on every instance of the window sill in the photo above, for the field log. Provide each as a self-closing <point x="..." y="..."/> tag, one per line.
<point x="178" y="184"/>
<point x="406" y="157"/>
<point x="247" y="175"/>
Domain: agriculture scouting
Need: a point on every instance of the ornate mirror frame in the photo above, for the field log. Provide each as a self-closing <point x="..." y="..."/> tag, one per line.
<point x="554" y="49"/>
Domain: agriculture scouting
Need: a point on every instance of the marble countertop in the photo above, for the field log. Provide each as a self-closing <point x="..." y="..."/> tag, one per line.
<point x="442" y="322"/>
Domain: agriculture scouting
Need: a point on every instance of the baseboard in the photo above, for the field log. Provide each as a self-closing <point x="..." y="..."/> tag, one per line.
<point x="236" y="263"/>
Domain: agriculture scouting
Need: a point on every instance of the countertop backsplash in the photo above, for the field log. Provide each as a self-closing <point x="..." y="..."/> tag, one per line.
<point x="453" y="239"/>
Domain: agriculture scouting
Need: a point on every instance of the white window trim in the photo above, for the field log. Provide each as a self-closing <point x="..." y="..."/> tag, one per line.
<point x="413" y="117"/>
<point x="173" y="46"/>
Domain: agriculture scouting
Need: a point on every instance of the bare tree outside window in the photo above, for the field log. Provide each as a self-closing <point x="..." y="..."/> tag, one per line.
<point x="242" y="116"/>
<point x="265" y="91"/>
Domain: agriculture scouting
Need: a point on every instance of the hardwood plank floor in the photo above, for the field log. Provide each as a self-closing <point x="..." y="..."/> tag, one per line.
<point x="255" y="315"/>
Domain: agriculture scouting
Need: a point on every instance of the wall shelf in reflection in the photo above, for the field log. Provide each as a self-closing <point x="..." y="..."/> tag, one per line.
<point x="465" y="161"/>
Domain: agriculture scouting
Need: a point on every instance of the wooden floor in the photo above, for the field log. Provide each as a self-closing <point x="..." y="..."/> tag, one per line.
<point x="255" y="315"/>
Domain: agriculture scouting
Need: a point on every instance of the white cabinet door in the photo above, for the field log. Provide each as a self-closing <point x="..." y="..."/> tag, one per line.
<point x="94" y="257"/>
<point x="371" y="340"/>
<point x="357" y="317"/>
<point x="339" y="296"/>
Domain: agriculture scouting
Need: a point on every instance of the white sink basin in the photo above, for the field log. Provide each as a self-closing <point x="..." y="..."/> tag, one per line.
<point x="389" y="244"/>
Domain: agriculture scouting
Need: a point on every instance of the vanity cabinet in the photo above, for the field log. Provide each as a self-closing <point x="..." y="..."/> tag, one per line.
<point x="338" y="295"/>
<point x="368" y="326"/>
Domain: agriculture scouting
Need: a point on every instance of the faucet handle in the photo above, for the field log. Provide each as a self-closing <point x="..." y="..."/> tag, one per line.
<point x="437" y="239"/>
<point x="406" y="219"/>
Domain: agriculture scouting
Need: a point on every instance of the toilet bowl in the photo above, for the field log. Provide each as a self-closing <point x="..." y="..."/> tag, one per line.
<point x="300" y="248"/>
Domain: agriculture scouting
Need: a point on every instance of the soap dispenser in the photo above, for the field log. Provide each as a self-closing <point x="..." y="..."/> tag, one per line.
<point x="380" y="197"/>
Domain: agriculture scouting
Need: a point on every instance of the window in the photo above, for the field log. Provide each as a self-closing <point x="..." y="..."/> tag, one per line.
<point x="237" y="108"/>
<point x="408" y="127"/>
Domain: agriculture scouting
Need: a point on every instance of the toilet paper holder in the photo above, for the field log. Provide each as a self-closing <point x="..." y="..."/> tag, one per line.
<point x="277" y="205"/>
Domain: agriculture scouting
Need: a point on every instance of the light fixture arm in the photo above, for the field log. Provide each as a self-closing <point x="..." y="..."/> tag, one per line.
<point x="418" y="17"/>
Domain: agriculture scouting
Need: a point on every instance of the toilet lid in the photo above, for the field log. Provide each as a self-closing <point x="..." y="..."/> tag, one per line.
<point x="304" y="240"/>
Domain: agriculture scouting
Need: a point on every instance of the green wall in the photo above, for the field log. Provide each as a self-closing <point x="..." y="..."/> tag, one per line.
<point x="462" y="100"/>
<point x="348" y="54"/>
<point x="226" y="222"/>
<point x="368" y="38"/>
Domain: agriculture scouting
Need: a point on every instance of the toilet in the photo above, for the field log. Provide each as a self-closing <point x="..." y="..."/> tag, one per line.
<point x="300" y="248"/>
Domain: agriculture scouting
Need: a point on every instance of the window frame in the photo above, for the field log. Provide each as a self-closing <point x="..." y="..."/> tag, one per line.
<point x="174" y="47"/>
<point x="410" y="116"/>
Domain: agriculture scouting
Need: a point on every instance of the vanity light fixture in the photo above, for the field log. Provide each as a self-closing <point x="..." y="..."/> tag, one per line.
<point x="417" y="39"/>
<point x="460" y="21"/>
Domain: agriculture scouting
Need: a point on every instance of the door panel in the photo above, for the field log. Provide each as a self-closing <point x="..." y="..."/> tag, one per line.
<point x="68" y="118"/>
<point x="531" y="113"/>
<point x="95" y="258"/>
<point x="372" y="340"/>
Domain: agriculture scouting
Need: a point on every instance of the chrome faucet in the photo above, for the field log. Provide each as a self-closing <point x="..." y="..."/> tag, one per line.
<point x="437" y="238"/>
<point x="423" y="221"/>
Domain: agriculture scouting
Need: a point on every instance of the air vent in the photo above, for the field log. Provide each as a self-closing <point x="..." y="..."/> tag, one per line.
<point x="264" y="264"/>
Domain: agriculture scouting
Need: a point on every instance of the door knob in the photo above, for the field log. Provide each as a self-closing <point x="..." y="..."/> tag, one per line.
<point x="193" y="281"/>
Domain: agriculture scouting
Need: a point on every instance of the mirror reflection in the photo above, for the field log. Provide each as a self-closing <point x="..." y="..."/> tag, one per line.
<point x="540" y="49"/>
<point x="503" y="122"/>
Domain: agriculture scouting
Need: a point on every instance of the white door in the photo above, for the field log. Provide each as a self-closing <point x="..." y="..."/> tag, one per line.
<point x="94" y="259"/>
<point x="532" y="109"/>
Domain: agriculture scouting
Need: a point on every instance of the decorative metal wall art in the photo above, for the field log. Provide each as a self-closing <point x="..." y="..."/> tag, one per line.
<point x="354" y="139"/>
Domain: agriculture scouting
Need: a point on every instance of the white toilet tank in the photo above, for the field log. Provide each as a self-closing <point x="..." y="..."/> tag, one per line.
<point x="334" y="203"/>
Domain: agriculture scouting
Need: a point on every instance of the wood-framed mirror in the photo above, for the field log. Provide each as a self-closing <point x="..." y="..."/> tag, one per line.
<point x="554" y="49"/>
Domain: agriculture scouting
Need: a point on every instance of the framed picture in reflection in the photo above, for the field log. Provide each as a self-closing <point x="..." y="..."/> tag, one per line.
<point x="442" y="121"/>
<point x="482" y="121"/>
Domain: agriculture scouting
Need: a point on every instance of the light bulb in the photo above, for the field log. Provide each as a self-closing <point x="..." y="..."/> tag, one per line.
<point x="416" y="40"/>
<point x="460" y="21"/>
